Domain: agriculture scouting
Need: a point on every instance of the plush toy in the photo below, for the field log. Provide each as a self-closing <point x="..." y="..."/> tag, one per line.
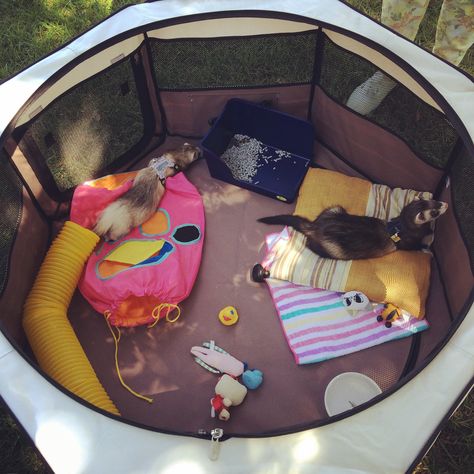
<point x="218" y="408"/>
<point x="229" y="393"/>
<point x="216" y="360"/>
<point x="252" y="379"/>
<point x="389" y="314"/>
<point x="355" y="301"/>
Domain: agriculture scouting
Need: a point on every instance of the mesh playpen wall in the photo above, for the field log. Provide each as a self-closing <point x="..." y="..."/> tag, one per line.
<point x="158" y="74"/>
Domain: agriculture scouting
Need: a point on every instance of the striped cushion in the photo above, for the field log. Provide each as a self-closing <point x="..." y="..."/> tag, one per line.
<point x="318" y="327"/>
<point x="401" y="278"/>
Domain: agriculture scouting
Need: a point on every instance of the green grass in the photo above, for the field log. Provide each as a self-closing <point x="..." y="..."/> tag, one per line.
<point x="17" y="455"/>
<point x="208" y="63"/>
<point x="29" y="29"/>
<point x="92" y="126"/>
<point x="453" y="452"/>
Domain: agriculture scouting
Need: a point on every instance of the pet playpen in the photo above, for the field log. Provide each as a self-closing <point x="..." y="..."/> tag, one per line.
<point x="157" y="74"/>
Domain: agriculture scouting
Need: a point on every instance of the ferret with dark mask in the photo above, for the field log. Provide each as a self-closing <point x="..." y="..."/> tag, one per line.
<point x="139" y="203"/>
<point x="339" y="235"/>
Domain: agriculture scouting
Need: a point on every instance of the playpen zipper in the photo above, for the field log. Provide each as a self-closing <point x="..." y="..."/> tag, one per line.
<point x="216" y="435"/>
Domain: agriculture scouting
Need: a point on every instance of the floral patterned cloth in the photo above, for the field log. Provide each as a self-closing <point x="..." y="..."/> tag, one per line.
<point x="455" y="30"/>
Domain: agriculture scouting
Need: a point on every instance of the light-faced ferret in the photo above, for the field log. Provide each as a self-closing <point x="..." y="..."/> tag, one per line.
<point x="139" y="203"/>
<point x="339" y="235"/>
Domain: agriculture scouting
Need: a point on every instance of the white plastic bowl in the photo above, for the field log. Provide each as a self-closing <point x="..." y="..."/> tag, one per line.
<point x="348" y="390"/>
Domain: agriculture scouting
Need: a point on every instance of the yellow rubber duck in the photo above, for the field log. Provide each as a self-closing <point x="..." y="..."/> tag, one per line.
<point x="228" y="316"/>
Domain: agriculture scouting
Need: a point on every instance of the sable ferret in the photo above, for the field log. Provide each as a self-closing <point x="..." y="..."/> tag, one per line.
<point x="139" y="203"/>
<point x="339" y="235"/>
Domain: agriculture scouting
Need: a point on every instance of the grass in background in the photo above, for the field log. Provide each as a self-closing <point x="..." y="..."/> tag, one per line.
<point x="91" y="126"/>
<point x="453" y="452"/>
<point x="29" y="29"/>
<point x="17" y="455"/>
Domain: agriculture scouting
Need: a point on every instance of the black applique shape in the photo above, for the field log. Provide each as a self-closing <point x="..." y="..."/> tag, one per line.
<point x="187" y="234"/>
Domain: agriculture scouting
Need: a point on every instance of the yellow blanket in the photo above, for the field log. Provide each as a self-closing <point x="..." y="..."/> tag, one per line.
<point x="401" y="278"/>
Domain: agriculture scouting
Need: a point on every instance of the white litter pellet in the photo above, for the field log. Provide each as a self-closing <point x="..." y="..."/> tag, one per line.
<point x="245" y="155"/>
<point x="283" y="154"/>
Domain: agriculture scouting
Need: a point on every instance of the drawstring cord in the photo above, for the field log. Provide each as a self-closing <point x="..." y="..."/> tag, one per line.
<point x="117" y="340"/>
<point x="156" y="316"/>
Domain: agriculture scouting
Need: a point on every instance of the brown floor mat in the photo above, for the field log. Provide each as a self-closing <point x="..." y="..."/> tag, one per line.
<point x="157" y="362"/>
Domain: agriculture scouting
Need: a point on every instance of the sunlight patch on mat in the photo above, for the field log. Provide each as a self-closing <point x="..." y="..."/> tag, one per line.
<point x="306" y="449"/>
<point x="63" y="442"/>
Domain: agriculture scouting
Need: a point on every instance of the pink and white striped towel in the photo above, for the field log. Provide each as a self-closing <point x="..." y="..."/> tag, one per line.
<point x="318" y="327"/>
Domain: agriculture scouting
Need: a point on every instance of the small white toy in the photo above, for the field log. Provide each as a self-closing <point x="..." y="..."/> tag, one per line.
<point x="229" y="393"/>
<point x="355" y="301"/>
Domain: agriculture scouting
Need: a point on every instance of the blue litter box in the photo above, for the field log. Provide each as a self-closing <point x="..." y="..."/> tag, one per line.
<point x="259" y="149"/>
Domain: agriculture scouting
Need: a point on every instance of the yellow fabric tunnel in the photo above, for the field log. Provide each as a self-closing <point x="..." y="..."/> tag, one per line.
<point x="49" y="332"/>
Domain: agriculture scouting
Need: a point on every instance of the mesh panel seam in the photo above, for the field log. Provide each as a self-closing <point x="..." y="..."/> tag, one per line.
<point x="435" y="110"/>
<point x="43" y="171"/>
<point x="412" y="355"/>
<point x="443" y="285"/>
<point x="235" y="37"/>
<point x="240" y="14"/>
<point x="79" y="84"/>
<point x="19" y="216"/>
<point x="441" y="115"/>
<point x="317" y="68"/>
<point x="266" y="86"/>
<point x="309" y="35"/>
<point x="415" y="153"/>
<point x="469" y="250"/>
<point x="347" y="162"/>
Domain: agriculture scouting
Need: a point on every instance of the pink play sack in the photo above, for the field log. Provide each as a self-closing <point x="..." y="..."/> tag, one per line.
<point x="142" y="277"/>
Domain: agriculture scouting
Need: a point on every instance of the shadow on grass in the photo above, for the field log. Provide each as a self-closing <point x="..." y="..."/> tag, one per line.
<point x="89" y="127"/>
<point x="30" y="29"/>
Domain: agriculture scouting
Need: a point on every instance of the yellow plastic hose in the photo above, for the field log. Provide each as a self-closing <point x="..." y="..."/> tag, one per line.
<point x="51" y="337"/>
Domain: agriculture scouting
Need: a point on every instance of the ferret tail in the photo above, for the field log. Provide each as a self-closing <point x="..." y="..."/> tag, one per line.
<point x="114" y="222"/>
<point x="298" y="223"/>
